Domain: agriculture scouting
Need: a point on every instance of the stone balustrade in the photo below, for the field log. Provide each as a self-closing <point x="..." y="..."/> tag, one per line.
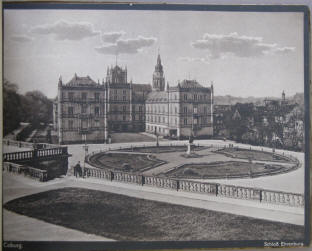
<point x="41" y="175"/>
<point x="127" y="177"/>
<point x="18" y="156"/>
<point x="161" y="182"/>
<point x="29" y="155"/>
<point x="197" y="187"/>
<point x="13" y="168"/>
<point x="220" y="190"/>
<point x="98" y="173"/>
<point x="282" y="198"/>
<point x="236" y="192"/>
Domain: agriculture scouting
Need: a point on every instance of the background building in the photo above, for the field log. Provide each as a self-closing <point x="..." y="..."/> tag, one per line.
<point x="181" y="110"/>
<point x="86" y="111"/>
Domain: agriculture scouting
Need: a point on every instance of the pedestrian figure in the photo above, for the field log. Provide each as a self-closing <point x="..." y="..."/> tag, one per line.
<point x="77" y="169"/>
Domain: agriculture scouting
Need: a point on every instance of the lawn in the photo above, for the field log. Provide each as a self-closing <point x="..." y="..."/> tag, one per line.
<point x="162" y="149"/>
<point x="126" y="218"/>
<point x="255" y="155"/>
<point x="123" y="161"/>
<point x="218" y="170"/>
<point x="124" y="137"/>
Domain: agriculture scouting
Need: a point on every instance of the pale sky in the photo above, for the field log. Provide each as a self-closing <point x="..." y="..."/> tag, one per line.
<point x="243" y="54"/>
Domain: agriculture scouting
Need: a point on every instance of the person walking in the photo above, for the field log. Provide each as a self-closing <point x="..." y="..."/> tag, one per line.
<point x="77" y="169"/>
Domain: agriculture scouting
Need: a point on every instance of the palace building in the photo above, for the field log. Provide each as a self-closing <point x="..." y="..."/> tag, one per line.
<point x="88" y="111"/>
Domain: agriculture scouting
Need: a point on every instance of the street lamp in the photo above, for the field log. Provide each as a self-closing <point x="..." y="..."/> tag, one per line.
<point x="85" y="147"/>
<point x="155" y="132"/>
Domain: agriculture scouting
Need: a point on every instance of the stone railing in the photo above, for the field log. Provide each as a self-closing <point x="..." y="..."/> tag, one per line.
<point x="161" y="182"/>
<point x="128" y="177"/>
<point x="18" y="156"/>
<point x="13" y="168"/>
<point x="34" y="154"/>
<point x="236" y="192"/>
<point x="41" y="175"/>
<point x="98" y="173"/>
<point x="282" y="198"/>
<point x="197" y="187"/>
<point x="214" y="189"/>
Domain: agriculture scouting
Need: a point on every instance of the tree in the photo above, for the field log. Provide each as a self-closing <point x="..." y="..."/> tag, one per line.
<point x="33" y="107"/>
<point x="39" y="108"/>
<point x="11" y="107"/>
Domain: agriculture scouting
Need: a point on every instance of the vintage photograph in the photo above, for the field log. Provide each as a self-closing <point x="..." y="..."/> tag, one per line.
<point x="154" y="126"/>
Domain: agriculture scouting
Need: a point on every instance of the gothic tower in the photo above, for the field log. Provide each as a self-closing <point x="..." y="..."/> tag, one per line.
<point x="158" y="76"/>
<point x="283" y="96"/>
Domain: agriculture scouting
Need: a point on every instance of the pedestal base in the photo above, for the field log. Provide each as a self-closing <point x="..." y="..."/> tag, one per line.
<point x="189" y="149"/>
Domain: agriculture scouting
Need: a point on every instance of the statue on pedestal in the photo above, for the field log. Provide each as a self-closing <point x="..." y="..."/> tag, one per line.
<point x="190" y="144"/>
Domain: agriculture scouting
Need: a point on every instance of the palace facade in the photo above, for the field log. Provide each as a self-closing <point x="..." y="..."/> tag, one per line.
<point x="88" y="111"/>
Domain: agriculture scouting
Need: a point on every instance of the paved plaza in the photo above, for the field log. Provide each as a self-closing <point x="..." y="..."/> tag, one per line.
<point x="286" y="182"/>
<point x="18" y="227"/>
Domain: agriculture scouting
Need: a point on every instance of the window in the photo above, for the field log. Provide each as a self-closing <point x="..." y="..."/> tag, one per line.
<point x="124" y="108"/>
<point x="84" y="124"/>
<point x="140" y="108"/>
<point x="185" y="110"/>
<point x="84" y="109"/>
<point x="164" y="121"/>
<point x="175" y="110"/>
<point x="185" y="96"/>
<point x="115" y="108"/>
<point x="205" y="110"/>
<point x="159" y="119"/>
<point x="97" y="96"/>
<point x="195" y="110"/>
<point x="124" y="92"/>
<point x="175" y="121"/>
<point x="175" y="96"/>
<point x="195" y="96"/>
<point x="71" y="110"/>
<point x="96" y="123"/>
<point x="71" y="96"/>
<point x="185" y="121"/>
<point x="140" y="117"/>
<point x="124" y="98"/>
<point x="70" y="124"/>
<point x="115" y="92"/>
<point x="163" y="109"/>
<point x="84" y="96"/>
<point x="115" y="97"/>
<point x="123" y="117"/>
<point x="97" y="111"/>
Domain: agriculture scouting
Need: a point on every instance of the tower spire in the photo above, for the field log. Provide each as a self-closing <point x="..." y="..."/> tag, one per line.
<point x="158" y="76"/>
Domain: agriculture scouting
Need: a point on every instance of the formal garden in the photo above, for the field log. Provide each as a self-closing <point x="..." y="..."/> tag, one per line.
<point x="221" y="170"/>
<point x="124" y="161"/>
<point x="205" y="162"/>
